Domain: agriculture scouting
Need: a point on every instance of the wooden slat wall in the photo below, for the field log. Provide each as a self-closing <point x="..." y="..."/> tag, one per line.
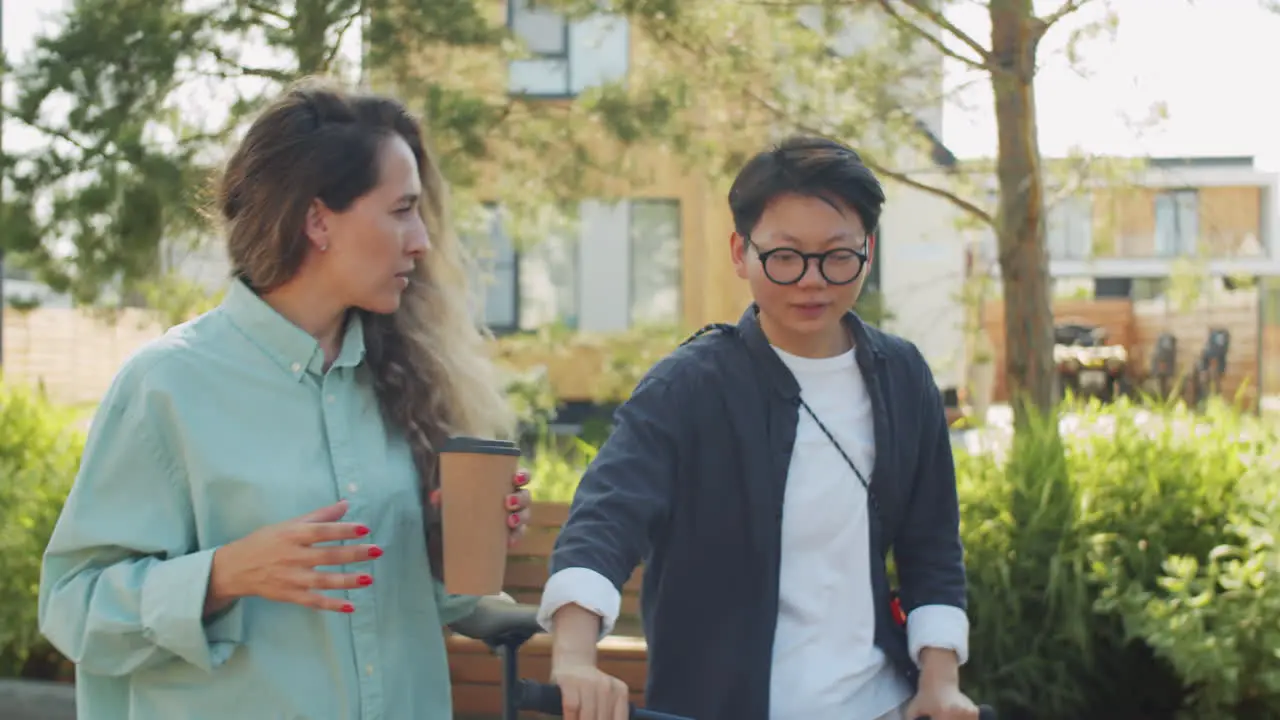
<point x="527" y="566"/>
<point x="73" y="354"/>
<point x="1237" y="312"/>
<point x="1230" y="221"/>
<point x="1114" y="315"/>
<point x="476" y="673"/>
<point x="1270" y="370"/>
<point x="1137" y="325"/>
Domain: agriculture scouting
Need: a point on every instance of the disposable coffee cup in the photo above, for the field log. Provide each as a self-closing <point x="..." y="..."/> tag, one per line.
<point x="475" y="479"/>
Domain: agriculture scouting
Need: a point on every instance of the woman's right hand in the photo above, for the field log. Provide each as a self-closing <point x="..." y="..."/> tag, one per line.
<point x="278" y="562"/>
<point x="589" y="694"/>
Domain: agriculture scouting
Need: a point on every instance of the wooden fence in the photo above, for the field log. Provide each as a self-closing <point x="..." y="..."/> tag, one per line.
<point x="1136" y="325"/>
<point x="1235" y="312"/>
<point x="73" y="354"/>
<point x="476" y="673"/>
<point x="1114" y="315"/>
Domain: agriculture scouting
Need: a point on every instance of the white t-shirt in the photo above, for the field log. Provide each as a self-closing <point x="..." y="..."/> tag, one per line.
<point x="825" y="661"/>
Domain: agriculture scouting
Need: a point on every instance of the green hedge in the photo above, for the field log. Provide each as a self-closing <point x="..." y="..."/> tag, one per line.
<point x="39" y="453"/>
<point x="1130" y="572"/>
<point x="1134" y="575"/>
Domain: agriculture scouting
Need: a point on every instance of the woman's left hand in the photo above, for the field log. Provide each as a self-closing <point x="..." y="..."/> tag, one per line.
<point x="518" y="506"/>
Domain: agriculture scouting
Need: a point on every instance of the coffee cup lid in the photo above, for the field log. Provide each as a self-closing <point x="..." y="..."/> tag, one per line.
<point x="480" y="446"/>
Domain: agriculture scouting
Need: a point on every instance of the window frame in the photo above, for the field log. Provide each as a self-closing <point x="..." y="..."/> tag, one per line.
<point x="566" y="56"/>
<point x="633" y="254"/>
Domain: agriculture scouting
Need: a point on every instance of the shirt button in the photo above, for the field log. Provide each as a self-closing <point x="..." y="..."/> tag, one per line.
<point x="352" y="487"/>
<point x="295" y="367"/>
<point x="329" y="398"/>
<point x="368" y="669"/>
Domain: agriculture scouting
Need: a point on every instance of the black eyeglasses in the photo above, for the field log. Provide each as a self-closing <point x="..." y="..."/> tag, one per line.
<point x="785" y="266"/>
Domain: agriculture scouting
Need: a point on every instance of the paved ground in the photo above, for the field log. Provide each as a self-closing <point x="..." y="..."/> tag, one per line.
<point x="28" y="700"/>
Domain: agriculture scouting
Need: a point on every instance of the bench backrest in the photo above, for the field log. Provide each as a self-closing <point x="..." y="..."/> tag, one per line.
<point x="527" y="566"/>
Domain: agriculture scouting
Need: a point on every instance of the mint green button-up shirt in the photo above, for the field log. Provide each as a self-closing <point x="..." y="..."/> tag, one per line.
<point x="224" y="425"/>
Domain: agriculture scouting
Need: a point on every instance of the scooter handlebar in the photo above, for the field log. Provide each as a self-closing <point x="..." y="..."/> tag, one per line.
<point x="543" y="698"/>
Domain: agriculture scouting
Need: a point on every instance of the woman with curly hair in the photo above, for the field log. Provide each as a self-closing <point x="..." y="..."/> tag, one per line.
<point x="246" y="536"/>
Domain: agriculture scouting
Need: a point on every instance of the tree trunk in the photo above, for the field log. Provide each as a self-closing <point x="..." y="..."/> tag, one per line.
<point x="1024" y="264"/>
<point x="312" y="23"/>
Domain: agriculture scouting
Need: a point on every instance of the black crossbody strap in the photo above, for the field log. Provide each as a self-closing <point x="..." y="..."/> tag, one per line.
<point x="871" y="496"/>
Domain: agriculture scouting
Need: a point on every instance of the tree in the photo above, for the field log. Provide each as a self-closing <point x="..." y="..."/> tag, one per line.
<point x="720" y="75"/>
<point x="137" y="100"/>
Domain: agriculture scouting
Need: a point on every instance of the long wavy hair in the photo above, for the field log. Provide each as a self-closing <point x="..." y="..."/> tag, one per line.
<point x="430" y="367"/>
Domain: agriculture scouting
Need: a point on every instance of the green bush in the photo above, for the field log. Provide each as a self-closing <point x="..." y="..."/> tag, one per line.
<point x="532" y="399"/>
<point x="39" y="454"/>
<point x="1125" y="582"/>
<point x="557" y="466"/>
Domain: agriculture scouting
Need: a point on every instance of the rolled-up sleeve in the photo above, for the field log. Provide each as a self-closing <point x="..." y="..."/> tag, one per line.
<point x="624" y="497"/>
<point x="928" y="551"/>
<point x="123" y="580"/>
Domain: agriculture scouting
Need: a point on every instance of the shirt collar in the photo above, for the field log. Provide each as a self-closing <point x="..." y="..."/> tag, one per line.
<point x="867" y="349"/>
<point x="288" y="345"/>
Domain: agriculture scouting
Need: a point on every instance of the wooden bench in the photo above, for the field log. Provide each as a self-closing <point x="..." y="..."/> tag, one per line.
<point x="476" y="672"/>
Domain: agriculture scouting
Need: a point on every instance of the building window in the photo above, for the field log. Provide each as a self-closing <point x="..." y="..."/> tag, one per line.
<point x="656" y="255"/>
<point x="1069" y="229"/>
<point x="524" y="289"/>
<point x="1177" y="223"/>
<point x="1112" y="287"/>
<point x="497" y="274"/>
<point x="546" y="34"/>
<point x="566" y="57"/>
<point x="549" y="283"/>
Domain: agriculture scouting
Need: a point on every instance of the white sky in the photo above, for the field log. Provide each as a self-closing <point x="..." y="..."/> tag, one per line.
<point x="1207" y="60"/>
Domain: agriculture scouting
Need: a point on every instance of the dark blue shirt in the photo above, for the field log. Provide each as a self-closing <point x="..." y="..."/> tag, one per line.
<point x="691" y="483"/>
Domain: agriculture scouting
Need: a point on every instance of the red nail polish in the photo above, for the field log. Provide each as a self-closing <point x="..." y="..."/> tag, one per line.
<point x="522" y="478"/>
<point x="513" y="521"/>
<point x="348" y="608"/>
<point x="375" y="551"/>
<point x="435" y="497"/>
<point x="365" y="580"/>
<point x="512" y="502"/>
<point x="362" y="531"/>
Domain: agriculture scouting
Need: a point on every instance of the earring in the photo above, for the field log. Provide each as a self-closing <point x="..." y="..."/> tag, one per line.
<point x="323" y="248"/>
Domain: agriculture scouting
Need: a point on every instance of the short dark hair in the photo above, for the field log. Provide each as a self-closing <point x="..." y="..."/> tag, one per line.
<point x="805" y="165"/>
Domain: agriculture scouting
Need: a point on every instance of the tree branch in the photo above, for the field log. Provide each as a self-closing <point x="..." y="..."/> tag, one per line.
<point x="1042" y="25"/>
<point x="930" y="38"/>
<point x="1067" y="8"/>
<point x="877" y="168"/>
<point x="778" y="113"/>
<point x="268" y="12"/>
<point x="280" y="76"/>
<point x="50" y="131"/>
<point x="937" y="18"/>
<point x="342" y="31"/>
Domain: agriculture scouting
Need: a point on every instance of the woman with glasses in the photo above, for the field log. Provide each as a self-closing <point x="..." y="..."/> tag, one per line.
<point x="762" y="472"/>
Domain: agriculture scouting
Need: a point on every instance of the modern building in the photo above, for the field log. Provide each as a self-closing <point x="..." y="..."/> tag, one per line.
<point x="661" y="255"/>
<point x="1188" y="245"/>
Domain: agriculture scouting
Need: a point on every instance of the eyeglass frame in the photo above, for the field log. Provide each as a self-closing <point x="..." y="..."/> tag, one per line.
<point x="863" y="256"/>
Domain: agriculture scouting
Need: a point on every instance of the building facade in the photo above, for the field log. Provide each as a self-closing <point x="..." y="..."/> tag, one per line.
<point x="662" y="255"/>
